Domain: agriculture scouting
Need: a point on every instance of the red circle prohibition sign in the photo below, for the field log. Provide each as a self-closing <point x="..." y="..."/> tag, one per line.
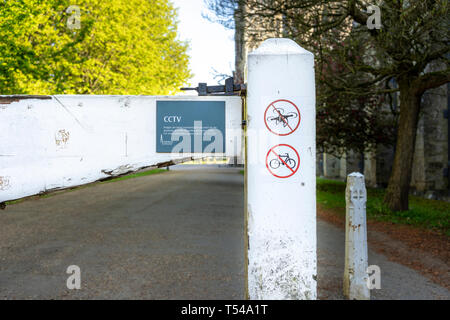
<point x="282" y="161"/>
<point x="280" y="118"/>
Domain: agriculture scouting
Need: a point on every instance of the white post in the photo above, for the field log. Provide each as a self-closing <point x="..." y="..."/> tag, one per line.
<point x="281" y="185"/>
<point x="355" y="274"/>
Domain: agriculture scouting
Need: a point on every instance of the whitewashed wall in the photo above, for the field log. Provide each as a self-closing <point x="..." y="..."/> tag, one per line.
<point x="281" y="206"/>
<point x="67" y="140"/>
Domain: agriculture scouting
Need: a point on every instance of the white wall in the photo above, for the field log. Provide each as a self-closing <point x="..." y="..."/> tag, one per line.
<point x="281" y="205"/>
<point x="69" y="140"/>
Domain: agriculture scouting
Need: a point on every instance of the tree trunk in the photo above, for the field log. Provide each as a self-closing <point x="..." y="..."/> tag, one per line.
<point x="396" y="197"/>
<point x="240" y="43"/>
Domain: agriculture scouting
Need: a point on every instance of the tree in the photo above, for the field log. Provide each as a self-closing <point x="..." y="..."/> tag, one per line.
<point x="346" y="122"/>
<point x="349" y="120"/>
<point x="121" y="47"/>
<point x="414" y="34"/>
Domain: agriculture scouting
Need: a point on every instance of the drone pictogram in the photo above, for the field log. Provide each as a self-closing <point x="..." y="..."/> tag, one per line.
<point x="282" y="117"/>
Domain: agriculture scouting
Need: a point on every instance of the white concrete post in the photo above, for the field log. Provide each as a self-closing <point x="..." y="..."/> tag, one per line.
<point x="281" y="183"/>
<point x="355" y="274"/>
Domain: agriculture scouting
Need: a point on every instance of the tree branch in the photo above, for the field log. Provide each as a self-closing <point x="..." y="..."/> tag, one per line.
<point x="432" y="80"/>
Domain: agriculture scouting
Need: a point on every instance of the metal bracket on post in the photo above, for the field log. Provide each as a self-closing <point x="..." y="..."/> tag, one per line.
<point x="229" y="89"/>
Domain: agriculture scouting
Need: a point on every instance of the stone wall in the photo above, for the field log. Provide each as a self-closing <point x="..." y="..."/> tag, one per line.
<point x="331" y="166"/>
<point x="431" y="154"/>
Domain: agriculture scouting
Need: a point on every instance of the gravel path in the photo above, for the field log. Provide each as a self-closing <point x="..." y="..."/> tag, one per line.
<point x="397" y="281"/>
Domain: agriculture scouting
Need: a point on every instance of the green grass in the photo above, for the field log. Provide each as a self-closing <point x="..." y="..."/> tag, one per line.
<point x="121" y="178"/>
<point x="430" y="214"/>
<point x="136" y="175"/>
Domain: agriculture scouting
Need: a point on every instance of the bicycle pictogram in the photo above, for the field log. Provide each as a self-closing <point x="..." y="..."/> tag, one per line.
<point x="282" y="117"/>
<point x="282" y="161"/>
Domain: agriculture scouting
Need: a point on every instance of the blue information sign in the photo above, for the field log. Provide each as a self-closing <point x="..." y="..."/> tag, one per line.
<point x="190" y="126"/>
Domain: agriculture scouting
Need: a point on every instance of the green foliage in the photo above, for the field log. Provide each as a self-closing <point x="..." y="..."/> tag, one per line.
<point x="122" y="47"/>
<point x="432" y="214"/>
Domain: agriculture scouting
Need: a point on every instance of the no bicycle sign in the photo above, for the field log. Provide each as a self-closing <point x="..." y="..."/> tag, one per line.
<point x="282" y="161"/>
<point x="282" y="117"/>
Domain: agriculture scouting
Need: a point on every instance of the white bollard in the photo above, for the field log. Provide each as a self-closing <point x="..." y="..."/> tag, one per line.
<point x="281" y="177"/>
<point x="355" y="274"/>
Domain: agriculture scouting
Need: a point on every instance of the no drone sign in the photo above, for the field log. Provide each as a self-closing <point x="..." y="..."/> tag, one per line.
<point x="282" y="117"/>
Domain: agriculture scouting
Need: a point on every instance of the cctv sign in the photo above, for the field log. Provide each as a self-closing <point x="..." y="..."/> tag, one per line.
<point x="190" y="126"/>
<point x="172" y="119"/>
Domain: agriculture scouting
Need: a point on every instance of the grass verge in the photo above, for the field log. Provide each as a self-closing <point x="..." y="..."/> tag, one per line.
<point x="424" y="213"/>
<point x="135" y="175"/>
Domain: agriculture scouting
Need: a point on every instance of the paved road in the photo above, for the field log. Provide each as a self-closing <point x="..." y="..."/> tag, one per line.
<point x="176" y="235"/>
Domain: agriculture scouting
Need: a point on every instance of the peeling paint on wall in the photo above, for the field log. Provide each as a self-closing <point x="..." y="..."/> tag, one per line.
<point x="17" y="98"/>
<point x="4" y="183"/>
<point x="62" y="137"/>
<point x="118" y="171"/>
<point x="125" y="102"/>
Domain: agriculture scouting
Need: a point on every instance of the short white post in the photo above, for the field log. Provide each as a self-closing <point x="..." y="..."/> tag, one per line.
<point x="355" y="274"/>
<point x="281" y="176"/>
